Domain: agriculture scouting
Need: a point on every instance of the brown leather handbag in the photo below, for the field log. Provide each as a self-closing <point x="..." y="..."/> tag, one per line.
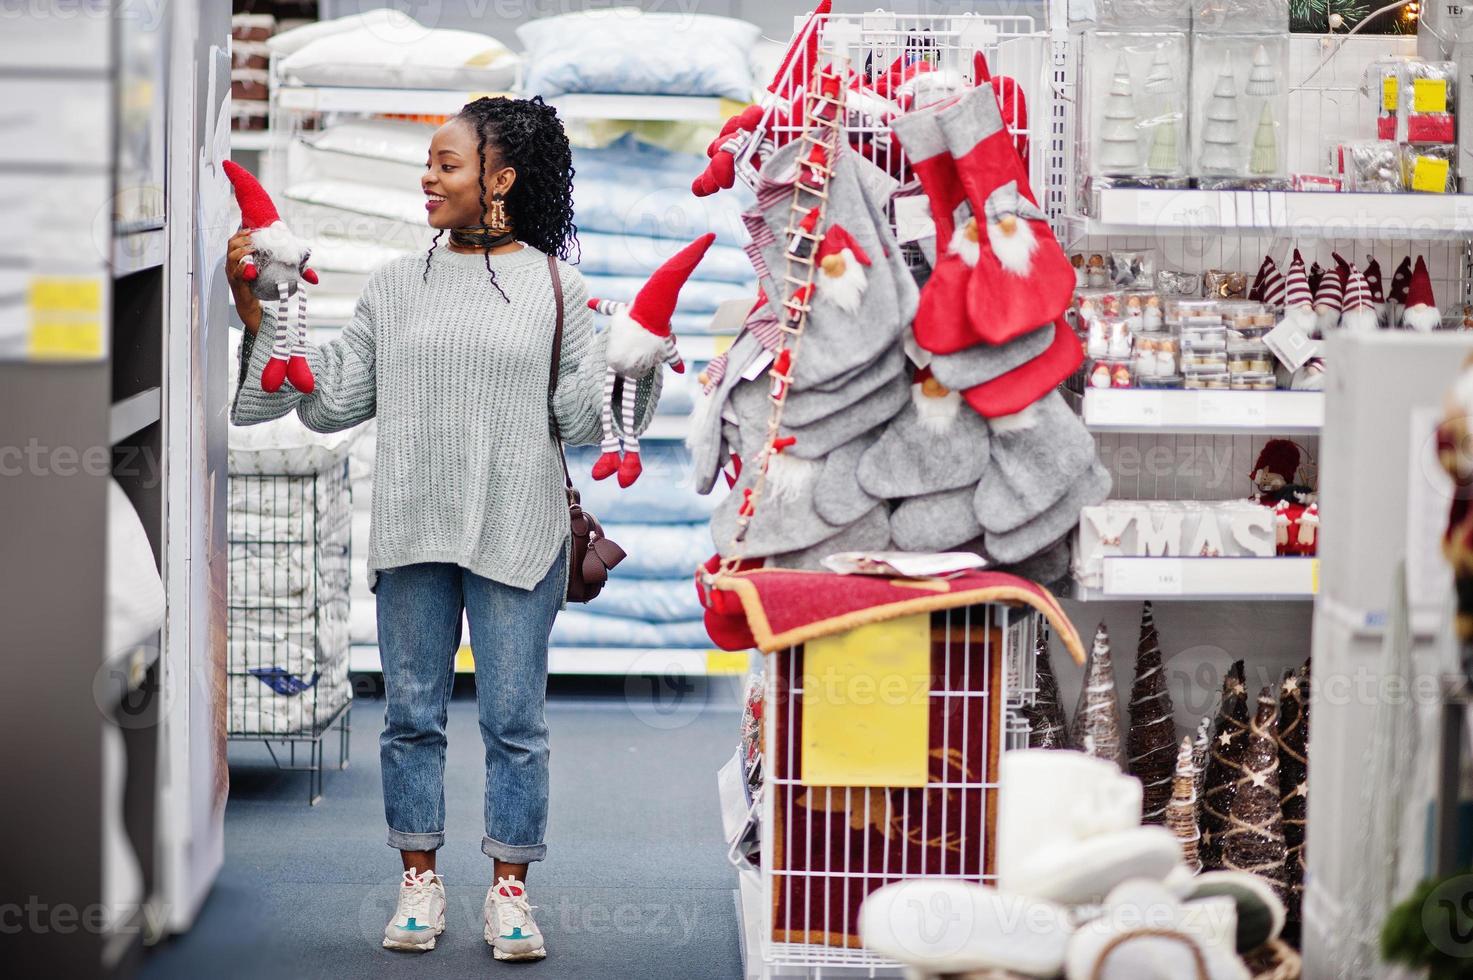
<point x="593" y="554"/>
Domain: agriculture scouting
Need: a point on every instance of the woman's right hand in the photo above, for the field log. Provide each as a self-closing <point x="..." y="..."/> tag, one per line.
<point x="247" y="306"/>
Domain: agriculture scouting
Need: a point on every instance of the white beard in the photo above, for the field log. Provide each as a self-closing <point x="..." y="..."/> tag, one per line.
<point x="276" y="242"/>
<point x="1362" y="319"/>
<point x="1303" y="316"/>
<point x="935" y="414"/>
<point x="1014" y="251"/>
<point x="1024" y="418"/>
<point x="1327" y="318"/>
<point x="791" y="479"/>
<point x="845" y="291"/>
<point x="632" y="349"/>
<point x="962" y="244"/>
<point x="1421" y="317"/>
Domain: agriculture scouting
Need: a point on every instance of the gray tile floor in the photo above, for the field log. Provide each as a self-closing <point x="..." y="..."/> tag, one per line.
<point x="636" y="884"/>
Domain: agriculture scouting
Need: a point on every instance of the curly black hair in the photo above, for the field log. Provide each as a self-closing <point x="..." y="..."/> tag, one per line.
<point x="526" y="135"/>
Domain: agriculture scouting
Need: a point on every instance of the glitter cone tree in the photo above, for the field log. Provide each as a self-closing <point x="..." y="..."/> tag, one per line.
<point x="1046" y="726"/>
<point x="1200" y="746"/>
<point x="1181" y="810"/>
<point x="1096" y="726"/>
<point x="1293" y="743"/>
<point x="1151" y="740"/>
<point x="1224" y="763"/>
<point x="1254" y="838"/>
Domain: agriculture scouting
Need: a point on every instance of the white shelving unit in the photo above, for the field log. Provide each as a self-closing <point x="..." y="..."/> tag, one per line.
<point x="1203" y="412"/>
<point x="1297" y="214"/>
<point x="614" y="661"/>
<point x="1206" y="579"/>
<point x="447" y="102"/>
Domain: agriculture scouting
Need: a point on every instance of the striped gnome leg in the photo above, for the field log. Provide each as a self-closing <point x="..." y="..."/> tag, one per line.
<point x="275" y="371"/>
<point x="297" y="370"/>
<point x="630" y="467"/>
<point x="672" y="355"/>
<point x="608" y="463"/>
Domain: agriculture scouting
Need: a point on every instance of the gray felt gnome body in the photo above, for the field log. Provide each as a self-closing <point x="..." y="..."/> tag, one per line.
<point x="276" y="268"/>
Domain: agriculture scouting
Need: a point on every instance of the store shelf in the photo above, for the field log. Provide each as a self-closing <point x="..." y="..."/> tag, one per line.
<point x="256" y="139"/>
<point x="1203" y="412"/>
<point x="407" y="101"/>
<point x="678" y="108"/>
<point x="138" y="250"/>
<point x="133" y="414"/>
<point x="1205" y="579"/>
<point x="1300" y="214"/>
<point x="665" y="662"/>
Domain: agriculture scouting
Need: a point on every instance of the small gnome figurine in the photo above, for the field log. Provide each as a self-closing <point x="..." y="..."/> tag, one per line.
<point x="1378" y="291"/>
<point x="273" y="270"/>
<point x="840" y="277"/>
<point x="639" y="340"/>
<point x="1421" y="311"/>
<point x="1401" y="281"/>
<point x="1151" y="318"/>
<point x="1298" y="300"/>
<point x="1359" y="314"/>
<point x="1274" y="288"/>
<point x="1081" y="278"/>
<point x="1095" y="272"/>
<point x="1327" y="302"/>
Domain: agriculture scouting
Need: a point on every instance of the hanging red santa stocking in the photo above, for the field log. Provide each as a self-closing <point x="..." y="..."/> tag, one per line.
<point x="1022" y="277"/>
<point x="1025" y="384"/>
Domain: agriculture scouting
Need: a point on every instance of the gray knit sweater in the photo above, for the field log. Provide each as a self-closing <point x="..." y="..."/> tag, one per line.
<point x="466" y="469"/>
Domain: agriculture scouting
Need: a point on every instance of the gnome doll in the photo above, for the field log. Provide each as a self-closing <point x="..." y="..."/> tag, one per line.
<point x="1273" y="288"/>
<point x="1274" y="471"/>
<point x="1373" y="282"/>
<point x="840" y="277"/>
<point x="639" y="340"/>
<point x="1421" y="311"/>
<point x="1359" y="314"/>
<point x="1298" y="300"/>
<point x="279" y="260"/>
<point x="1327" y="301"/>
<point x="1396" y="297"/>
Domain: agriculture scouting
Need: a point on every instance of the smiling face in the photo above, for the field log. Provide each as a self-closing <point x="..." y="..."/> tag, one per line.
<point x="451" y="179"/>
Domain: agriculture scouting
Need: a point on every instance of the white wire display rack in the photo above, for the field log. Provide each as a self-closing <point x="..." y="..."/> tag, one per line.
<point x="825" y="848"/>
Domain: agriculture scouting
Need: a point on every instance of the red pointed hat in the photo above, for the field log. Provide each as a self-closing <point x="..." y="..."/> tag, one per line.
<point x="1401" y="279"/>
<point x="654" y="304"/>
<point x="1357" y="291"/>
<point x="1279" y="456"/>
<point x="256" y="207"/>
<point x="802" y="54"/>
<point x="1373" y="280"/>
<point x="1419" y="293"/>
<point x="835" y="240"/>
<point x="1298" y="283"/>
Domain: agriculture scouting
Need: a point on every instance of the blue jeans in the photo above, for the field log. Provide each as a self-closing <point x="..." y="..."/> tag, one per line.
<point x="419" y="609"/>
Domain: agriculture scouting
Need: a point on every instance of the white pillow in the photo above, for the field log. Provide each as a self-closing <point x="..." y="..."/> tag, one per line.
<point x="608" y="24"/>
<point x="382" y="139"/>
<point x="438" y="60"/>
<point x="386" y="20"/>
<point x="135" y="592"/>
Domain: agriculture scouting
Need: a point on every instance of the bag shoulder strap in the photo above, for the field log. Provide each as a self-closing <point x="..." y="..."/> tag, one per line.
<point x="557" y="355"/>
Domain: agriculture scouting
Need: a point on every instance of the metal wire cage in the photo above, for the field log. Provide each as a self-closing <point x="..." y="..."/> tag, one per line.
<point x="287" y="669"/>
<point x="825" y="848"/>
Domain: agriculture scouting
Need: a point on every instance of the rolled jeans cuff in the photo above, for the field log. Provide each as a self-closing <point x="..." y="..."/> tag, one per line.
<point x="513" y="853"/>
<point x="401" y="841"/>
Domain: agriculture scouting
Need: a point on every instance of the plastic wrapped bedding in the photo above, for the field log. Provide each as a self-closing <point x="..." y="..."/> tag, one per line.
<point x="377" y="226"/>
<point x="293" y="641"/>
<point x="578" y="628"/>
<point x="665" y="493"/>
<point x="275" y="576"/>
<point x="261" y="510"/>
<point x="285" y="447"/>
<point x="652" y="600"/>
<point x="659" y="206"/>
<point x="392" y="140"/>
<point x="608" y="50"/>
<point x="658" y="551"/>
<point x="279" y="701"/>
<point x="604" y="254"/>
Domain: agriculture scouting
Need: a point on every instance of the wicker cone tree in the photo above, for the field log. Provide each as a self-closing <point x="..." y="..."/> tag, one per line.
<point x="1293" y="742"/>
<point x="1151" y="740"/>
<point x="1096" y="726"/>
<point x="1181" y="811"/>
<point x="1046" y="726"/>
<point x="1200" y="746"/>
<point x="1254" y="839"/>
<point x="1224" y="762"/>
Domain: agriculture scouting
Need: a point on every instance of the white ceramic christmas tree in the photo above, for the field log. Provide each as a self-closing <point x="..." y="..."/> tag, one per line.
<point x="1165" y="157"/>
<point x="1119" y="151"/>
<point x="1262" y="79"/>
<point x="1265" y="158"/>
<point x="1220" y="134"/>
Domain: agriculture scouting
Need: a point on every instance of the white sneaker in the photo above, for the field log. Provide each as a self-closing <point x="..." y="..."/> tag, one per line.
<point x="420" y="916"/>
<point x="510" y="928"/>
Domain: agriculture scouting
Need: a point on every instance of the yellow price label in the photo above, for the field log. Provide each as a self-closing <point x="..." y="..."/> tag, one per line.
<point x="66" y="318"/>
<point x="726" y="662"/>
<point x="1314" y="576"/>
<point x="1388" y="93"/>
<point x="77" y="294"/>
<point x="1429" y="175"/>
<point x="727" y="108"/>
<point x="55" y="339"/>
<point x="1429" y="95"/>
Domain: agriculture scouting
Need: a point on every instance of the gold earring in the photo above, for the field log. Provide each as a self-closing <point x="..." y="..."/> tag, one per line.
<point x="496" y="216"/>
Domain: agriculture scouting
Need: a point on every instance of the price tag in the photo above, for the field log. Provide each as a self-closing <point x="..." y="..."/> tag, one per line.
<point x="1231" y="408"/>
<point x="913" y="219"/>
<point x="1429" y="95"/>
<point x="66" y="318"/>
<point x="1143" y="576"/>
<point x="1314" y="576"/>
<point x="1429" y="175"/>
<point x="1126" y="407"/>
<point x="755" y="369"/>
<point x="1388" y="93"/>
